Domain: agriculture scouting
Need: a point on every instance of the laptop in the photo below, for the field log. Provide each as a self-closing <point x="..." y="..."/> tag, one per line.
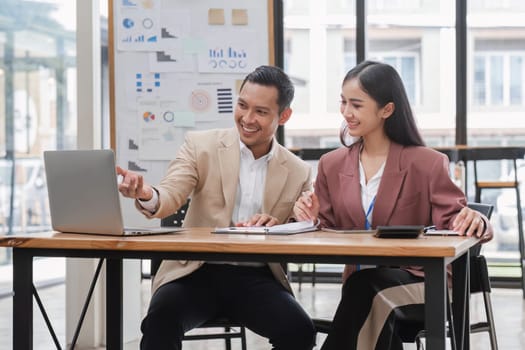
<point x="83" y="194"/>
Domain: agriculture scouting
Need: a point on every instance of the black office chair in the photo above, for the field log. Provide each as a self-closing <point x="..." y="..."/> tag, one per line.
<point x="229" y="329"/>
<point x="498" y="154"/>
<point x="411" y="331"/>
<point x="479" y="283"/>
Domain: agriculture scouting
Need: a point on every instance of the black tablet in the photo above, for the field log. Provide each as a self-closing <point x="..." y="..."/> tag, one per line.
<point x="403" y="231"/>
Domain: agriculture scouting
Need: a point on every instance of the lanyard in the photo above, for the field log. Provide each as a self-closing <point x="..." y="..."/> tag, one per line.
<point x="368" y="224"/>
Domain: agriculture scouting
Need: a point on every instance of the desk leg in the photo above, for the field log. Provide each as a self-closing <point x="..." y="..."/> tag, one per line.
<point x="22" y="299"/>
<point x="114" y="311"/>
<point x="461" y="298"/>
<point x="435" y="304"/>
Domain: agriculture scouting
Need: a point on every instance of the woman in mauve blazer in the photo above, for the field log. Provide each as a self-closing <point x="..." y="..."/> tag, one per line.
<point x="386" y="176"/>
<point x="415" y="189"/>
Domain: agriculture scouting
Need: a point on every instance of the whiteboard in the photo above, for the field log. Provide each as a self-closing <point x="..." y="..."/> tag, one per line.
<point x="175" y="66"/>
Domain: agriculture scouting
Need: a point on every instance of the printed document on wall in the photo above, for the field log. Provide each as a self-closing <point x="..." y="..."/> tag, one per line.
<point x="161" y="128"/>
<point x="230" y="52"/>
<point x="138" y="25"/>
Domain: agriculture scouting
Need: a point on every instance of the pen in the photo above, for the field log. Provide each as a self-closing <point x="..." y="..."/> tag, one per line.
<point x="306" y="194"/>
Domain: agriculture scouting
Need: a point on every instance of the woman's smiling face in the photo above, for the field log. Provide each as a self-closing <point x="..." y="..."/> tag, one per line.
<point x="361" y="111"/>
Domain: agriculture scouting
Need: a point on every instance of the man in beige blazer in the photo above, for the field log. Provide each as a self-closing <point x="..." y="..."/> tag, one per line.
<point x="238" y="176"/>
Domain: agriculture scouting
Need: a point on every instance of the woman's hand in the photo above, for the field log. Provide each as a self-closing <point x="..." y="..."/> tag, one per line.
<point x="471" y="223"/>
<point x="307" y="207"/>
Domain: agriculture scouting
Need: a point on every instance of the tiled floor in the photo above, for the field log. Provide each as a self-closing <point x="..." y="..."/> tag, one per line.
<point x="509" y="309"/>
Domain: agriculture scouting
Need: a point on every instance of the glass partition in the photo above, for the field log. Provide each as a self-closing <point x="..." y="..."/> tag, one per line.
<point x="37" y="105"/>
<point x="418" y="38"/>
<point x="496" y="75"/>
<point x="319" y="46"/>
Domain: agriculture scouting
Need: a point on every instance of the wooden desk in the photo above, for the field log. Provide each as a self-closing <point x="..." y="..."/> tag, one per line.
<point x="434" y="253"/>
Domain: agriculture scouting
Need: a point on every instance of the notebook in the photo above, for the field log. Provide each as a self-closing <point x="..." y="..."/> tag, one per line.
<point x="284" y="229"/>
<point x="83" y="194"/>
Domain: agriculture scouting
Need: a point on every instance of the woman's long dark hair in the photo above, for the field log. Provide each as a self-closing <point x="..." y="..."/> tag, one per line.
<point x="381" y="82"/>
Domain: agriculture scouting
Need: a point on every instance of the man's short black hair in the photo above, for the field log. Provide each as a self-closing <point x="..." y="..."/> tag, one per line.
<point x="273" y="76"/>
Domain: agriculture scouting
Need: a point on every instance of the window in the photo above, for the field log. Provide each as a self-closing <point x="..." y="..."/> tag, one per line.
<point x="349" y="55"/>
<point x="498" y="79"/>
<point x="517" y="76"/>
<point x="406" y="66"/>
<point x="496" y="50"/>
<point x="418" y="39"/>
<point x="316" y="62"/>
<point x="480" y="91"/>
<point x="406" y="63"/>
<point x="323" y="42"/>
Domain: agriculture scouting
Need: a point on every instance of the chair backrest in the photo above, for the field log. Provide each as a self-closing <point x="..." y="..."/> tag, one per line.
<point x="231" y="329"/>
<point x="176" y="219"/>
<point x="485" y="209"/>
<point x="410" y="330"/>
<point x="479" y="274"/>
